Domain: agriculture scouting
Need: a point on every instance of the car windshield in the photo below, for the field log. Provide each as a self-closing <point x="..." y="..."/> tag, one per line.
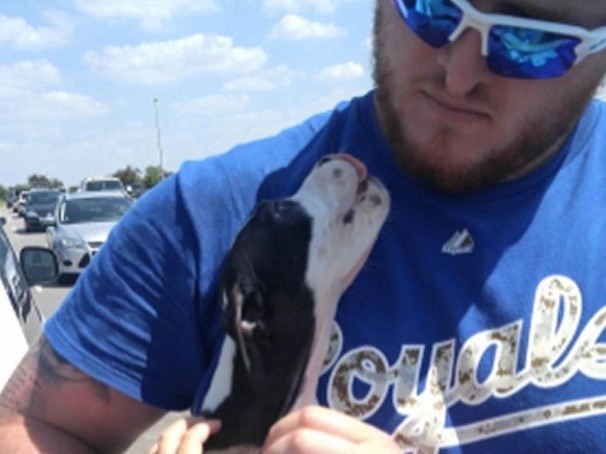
<point x="78" y="211"/>
<point x="110" y="185"/>
<point x="42" y="198"/>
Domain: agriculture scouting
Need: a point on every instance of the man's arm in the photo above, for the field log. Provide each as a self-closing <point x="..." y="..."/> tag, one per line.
<point x="50" y="406"/>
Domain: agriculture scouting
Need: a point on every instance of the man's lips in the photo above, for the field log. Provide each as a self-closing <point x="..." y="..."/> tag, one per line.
<point x="455" y="107"/>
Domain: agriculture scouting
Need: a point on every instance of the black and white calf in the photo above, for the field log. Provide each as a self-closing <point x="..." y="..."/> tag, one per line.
<point x="283" y="278"/>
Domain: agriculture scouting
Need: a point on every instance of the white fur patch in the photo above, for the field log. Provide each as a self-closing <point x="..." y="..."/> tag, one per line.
<point x="348" y="215"/>
<point x="220" y="386"/>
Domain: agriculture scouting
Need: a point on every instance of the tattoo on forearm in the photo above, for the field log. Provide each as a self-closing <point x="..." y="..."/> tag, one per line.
<point x="14" y="396"/>
<point x="55" y="369"/>
<point x="42" y="370"/>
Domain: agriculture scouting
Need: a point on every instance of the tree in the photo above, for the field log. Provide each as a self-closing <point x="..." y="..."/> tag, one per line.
<point x="128" y="176"/>
<point x="42" y="181"/>
<point x="3" y="192"/>
<point x="153" y="175"/>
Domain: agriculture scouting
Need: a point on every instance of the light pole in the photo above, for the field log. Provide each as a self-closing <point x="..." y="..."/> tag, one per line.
<point x="160" y="152"/>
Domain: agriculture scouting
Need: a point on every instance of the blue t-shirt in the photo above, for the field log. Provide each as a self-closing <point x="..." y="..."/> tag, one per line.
<point x="475" y="325"/>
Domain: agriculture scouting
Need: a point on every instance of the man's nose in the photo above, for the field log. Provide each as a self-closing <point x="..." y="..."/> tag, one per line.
<point x="464" y="63"/>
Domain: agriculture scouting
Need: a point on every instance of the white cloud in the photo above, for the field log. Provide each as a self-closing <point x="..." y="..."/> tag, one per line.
<point x="30" y="90"/>
<point x="41" y="110"/>
<point x="297" y="28"/>
<point x="320" y="6"/>
<point x="150" y="13"/>
<point x="267" y="80"/>
<point x="345" y="71"/>
<point x="212" y="104"/>
<point x="74" y="103"/>
<point x="169" y="61"/>
<point x="17" y="33"/>
<point x="28" y="75"/>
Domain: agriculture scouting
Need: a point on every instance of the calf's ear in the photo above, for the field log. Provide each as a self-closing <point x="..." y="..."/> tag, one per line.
<point x="245" y="320"/>
<point x="254" y="338"/>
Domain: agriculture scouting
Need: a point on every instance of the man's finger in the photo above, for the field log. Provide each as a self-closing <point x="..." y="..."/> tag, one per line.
<point x="323" y="420"/>
<point x="309" y="441"/>
<point x="196" y="436"/>
<point x="173" y="437"/>
<point x="169" y="440"/>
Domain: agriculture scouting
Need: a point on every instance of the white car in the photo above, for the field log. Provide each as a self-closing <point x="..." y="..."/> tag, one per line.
<point x="83" y="221"/>
<point x="19" y="205"/>
<point x="20" y="318"/>
<point x="102" y="184"/>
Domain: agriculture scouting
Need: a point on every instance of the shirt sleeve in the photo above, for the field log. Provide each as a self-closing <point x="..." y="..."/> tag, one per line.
<point x="132" y="321"/>
<point x="144" y="318"/>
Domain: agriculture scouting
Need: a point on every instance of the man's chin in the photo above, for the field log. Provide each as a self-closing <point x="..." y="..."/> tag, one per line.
<point x="450" y="161"/>
<point x="450" y="181"/>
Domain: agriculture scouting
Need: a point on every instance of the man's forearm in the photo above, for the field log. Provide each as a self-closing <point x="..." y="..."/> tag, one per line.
<point x="48" y="405"/>
<point x="21" y="430"/>
<point x="21" y="435"/>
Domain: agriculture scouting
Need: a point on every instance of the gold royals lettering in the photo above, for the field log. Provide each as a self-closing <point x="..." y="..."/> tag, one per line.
<point x="554" y="323"/>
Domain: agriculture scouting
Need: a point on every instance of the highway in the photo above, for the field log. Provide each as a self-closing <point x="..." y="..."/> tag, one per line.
<point x="49" y="298"/>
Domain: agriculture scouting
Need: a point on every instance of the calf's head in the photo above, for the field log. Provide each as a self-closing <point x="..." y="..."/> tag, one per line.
<point x="295" y="253"/>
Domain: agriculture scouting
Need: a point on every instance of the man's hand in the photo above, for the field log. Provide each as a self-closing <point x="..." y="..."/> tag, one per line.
<point x="185" y="436"/>
<point x="310" y="430"/>
<point x="321" y="430"/>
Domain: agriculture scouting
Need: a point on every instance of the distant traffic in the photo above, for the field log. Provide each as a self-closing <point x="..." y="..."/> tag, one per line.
<point x="76" y="223"/>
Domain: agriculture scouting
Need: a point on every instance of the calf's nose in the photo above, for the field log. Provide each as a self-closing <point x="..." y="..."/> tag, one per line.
<point x="355" y="162"/>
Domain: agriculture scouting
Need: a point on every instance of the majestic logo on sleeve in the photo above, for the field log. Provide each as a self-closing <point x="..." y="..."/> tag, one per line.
<point x="551" y="360"/>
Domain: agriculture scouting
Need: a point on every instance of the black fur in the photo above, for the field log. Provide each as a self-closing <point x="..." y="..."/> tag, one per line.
<point x="265" y="274"/>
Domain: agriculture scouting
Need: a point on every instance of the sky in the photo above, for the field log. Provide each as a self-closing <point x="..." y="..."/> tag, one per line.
<point x="88" y="87"/>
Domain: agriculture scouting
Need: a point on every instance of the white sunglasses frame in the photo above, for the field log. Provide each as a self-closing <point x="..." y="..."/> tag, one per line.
<point x="591" y="41"/>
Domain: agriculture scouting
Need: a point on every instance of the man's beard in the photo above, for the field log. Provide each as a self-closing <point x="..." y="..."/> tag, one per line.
<point x="538" y="137"/>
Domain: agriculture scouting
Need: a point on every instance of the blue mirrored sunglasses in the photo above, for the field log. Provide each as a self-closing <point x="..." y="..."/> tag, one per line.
<point x="513" y="46"/>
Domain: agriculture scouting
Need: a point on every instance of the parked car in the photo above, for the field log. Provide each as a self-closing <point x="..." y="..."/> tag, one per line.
<point x="12" y="198"/>
<point x="20" y="318"/>
<point x="40" y="209"/>
<point x="83" y="221"/>
<point x="102" y="184"/>
<point x="19" y="205"/>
